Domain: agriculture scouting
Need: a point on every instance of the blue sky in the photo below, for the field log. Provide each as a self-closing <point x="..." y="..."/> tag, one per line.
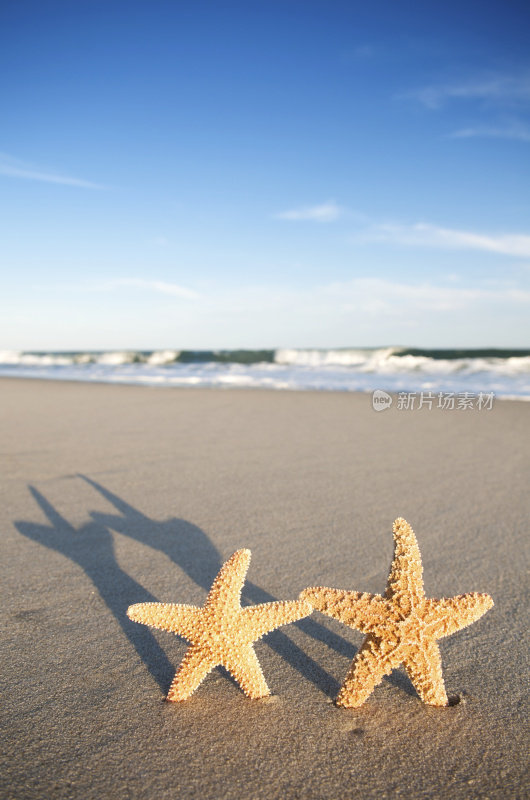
<point x="264" y="173"/>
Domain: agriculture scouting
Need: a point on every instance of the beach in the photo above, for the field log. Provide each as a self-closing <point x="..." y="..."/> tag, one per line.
<point x="114" y="495"/>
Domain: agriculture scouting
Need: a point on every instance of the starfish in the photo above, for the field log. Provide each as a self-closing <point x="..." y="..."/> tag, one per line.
<point x="221" y="632"/>
<point x="401" y="628"/>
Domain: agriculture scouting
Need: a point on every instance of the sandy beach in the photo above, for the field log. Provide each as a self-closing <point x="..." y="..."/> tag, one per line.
<point x="113" y="495"/>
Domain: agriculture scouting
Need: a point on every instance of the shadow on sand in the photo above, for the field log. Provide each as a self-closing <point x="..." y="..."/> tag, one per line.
<point x="91" y="547"/>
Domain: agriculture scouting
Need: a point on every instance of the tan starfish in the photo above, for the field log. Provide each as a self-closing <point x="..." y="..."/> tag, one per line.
<point x="401" y="628"/>
<point x="221" y="632"/>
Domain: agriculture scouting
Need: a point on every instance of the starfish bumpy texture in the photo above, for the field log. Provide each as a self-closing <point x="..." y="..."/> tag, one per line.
<point x="221" y="632"/>
<point x="401" y="628"/>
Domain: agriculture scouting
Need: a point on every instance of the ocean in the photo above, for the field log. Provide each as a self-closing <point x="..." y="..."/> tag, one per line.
<point x="505" y="373"/>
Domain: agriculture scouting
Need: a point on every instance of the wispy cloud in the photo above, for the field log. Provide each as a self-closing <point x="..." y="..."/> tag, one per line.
<point x="162" y="287"/>
<point x="374" y="295"/>
<point x="425" y="235"/>
<point x="155" y="286"/>
<point x="516" y="131"/>
<point x="13" y="168"/>
<point x="361" y="52"/>
<point x="499" y="88"/>
<point x="363" y="310"/>
<point x="326" y="212"/>
<point x="366" y="295"/>
<point x="419" y="234"/>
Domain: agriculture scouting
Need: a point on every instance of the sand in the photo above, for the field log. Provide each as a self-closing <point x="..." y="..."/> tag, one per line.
<point x="113" y="495"/>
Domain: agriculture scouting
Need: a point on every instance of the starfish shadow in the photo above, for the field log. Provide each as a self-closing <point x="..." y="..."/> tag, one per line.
<point x="399" y="679"/>
<point x="91" y="547"/>
<point x="192" y="550"/>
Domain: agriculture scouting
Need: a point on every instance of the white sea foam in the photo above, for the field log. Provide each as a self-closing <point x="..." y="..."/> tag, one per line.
<point x="113" y="358"/>
<point x="389" y="360"/>
<point x="163" y="357"/>
<point x="340" y="357"/>
<point x="390" y="369"/>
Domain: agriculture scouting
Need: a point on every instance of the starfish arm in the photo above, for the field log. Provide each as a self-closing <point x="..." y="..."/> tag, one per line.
<point x="451" y="614"/>
<point x="192" y="671"/>
<point x="226" y="588"/>
<point x="405" y="580"/>
<point x="375" y="659"/>
<point x="423" y="664"/>
<point x="171" y="617"/>
<point x="261" y="619"/>
<point x="365" y="612"/>
<point x="245" y="668"/>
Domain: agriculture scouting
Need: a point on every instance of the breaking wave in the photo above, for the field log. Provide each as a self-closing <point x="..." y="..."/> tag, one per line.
<point x="504" y="371"/>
